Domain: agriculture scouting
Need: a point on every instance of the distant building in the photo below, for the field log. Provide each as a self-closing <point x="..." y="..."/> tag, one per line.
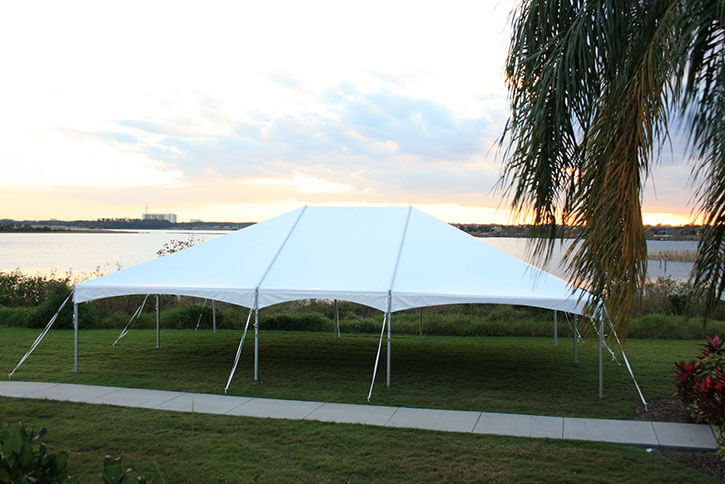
<point x="169" y="217"/>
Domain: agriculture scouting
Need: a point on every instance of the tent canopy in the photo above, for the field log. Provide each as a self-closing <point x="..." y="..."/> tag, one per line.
<point x="388" y="258"/>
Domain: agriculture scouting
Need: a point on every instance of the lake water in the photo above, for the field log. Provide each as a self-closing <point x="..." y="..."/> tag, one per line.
<point x="85" y="254"/>
<point x="676" y="270"/>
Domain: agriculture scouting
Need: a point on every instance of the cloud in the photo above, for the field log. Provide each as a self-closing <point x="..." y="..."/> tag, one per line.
<point x="342" y="144"/>
<point x="371" y="141"/>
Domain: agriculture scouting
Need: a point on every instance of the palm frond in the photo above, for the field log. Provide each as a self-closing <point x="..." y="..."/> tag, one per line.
<point x="591" y="86"/>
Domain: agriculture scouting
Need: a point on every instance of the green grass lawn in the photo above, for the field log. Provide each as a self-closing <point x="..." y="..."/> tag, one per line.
<point x="497" y="374"/>
<point x="211" y="448"/>
<point x="504" y="374"/>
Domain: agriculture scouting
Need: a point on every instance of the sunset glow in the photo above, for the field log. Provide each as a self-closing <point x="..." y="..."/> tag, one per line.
<point x="239" y="112"/>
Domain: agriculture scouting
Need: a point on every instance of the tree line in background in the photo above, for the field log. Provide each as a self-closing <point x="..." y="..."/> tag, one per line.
<point x="31" y="300"/>
<point x="652" y="232"/>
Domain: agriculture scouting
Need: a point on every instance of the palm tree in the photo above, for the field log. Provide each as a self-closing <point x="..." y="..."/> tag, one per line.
<point x="594" y="88"/>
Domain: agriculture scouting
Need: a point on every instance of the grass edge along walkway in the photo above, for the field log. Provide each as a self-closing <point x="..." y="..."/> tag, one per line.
<point x="195" y="447"/>
<point x="496" y="374"/>
<point x="654" y="434"/>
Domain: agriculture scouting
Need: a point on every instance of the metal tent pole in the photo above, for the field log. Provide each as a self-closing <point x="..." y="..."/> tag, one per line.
<point x="158" y="324"/>
<point x="392" y="285"/>
<point x="576" y="358"/>
<point x="75" y="338"/>
<point x="213" y="316"/>
<point x="239" y="350"/>
<point x="256" y="337"/>
<point x="256" y="294"/>
<point x="420" y="326"/>
<point x="601" y="358"/>
<point x="387" y="381"/>
<point x="336" y="330"/>
<point x="556" y="329"/>
<point x="377" y="355"/>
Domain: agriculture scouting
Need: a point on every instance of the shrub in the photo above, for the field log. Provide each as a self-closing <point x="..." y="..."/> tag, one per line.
<point x="114" y="472"/>
<point x="297" y="322"/>
<point x="18" y="289"/>
<point x="22" y="461"/>
<point x="49" y="307"/>
<point x="701" y="387"/>
<point x="16" y="316"/>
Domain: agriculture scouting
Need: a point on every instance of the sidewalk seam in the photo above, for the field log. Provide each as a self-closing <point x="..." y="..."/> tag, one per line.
<point x="313" y="410"/>
<point x="229" y="412"/>
<point x="480" y="414"/>
<point x="391" y="416"/>
<point x="102" y="394"/>
<point x="657" y="437"/>
<point x="27" y="395"/>
<point x="180" y="394"/>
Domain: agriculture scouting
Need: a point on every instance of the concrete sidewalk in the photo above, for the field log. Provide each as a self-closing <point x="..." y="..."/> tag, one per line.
<point x="662" y="434"/>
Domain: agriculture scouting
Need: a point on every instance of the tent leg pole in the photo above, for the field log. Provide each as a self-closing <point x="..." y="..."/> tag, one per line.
<point x="256" y="344"/>
<point x="213" y="317"/>
<point x="576" y="358"/>
<point x="556" y="330"/>
<point x="387" y="381"/>
<point x="336" y="331"/>
<point x="158" y="324"/>
<point x="601" y="358"/>
<point x="75" y="338"/>
<point x="420" y="326"/>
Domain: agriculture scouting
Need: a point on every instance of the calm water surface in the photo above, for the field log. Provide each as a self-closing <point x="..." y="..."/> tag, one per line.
<point x="676" y="270"/>
<point x="86" y="253"/>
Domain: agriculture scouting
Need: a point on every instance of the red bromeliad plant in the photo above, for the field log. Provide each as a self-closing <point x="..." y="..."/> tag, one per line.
<point x="701" y="387"/>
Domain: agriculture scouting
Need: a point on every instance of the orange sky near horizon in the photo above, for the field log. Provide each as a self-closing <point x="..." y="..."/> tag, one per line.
<point x="73" y="209"/>
<point x="199" y="117"/>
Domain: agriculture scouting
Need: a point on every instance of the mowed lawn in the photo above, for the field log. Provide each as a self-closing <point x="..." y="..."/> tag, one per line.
<point x="212" y="448"/>
<point x="497" y="374"/>
<point x="528" y="375"/>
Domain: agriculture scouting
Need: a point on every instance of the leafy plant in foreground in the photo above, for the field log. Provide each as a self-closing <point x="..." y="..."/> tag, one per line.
<point x="114" y="473"/>
<point x="701" y="387"/>
<point x="21" y="461"/>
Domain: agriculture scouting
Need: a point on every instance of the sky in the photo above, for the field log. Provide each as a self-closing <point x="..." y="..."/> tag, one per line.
<point x="240" y="111"/>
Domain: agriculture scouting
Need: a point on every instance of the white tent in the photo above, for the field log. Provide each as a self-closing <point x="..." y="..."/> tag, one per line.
<point x="390" y="259"/>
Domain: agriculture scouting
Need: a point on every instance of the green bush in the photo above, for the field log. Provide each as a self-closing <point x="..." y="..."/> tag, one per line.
<point x="18" y="289"/>
<point x="49" y="307"/>
<point x="21" y="461"/>
<point x="661" y="316"/>
<point x="114" y="472"/>
<point x="664" y="326"/>
<point x="16" y="316"/>
<point x="297" y="322"/>
<point x="367" y="325"/>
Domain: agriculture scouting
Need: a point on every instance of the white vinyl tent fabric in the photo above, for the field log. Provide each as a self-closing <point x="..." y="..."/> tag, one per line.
<point x="388" y="258"/>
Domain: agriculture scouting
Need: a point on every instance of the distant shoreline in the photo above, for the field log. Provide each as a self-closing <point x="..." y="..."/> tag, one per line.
<point x="652" y="232"/>
<point x="66" y="231"/>
<point x="111" y="226"/>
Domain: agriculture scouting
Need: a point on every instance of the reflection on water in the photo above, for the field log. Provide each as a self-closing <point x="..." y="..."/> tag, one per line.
<point x="86" y="253"/>
<point x="89" y="253"/>
<point x="521" y="249"/>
